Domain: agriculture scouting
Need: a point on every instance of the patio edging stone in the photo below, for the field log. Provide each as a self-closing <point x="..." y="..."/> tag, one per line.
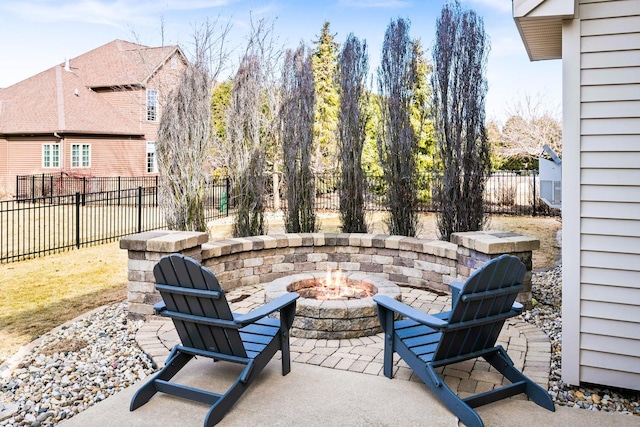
<point x="407" y="261"/>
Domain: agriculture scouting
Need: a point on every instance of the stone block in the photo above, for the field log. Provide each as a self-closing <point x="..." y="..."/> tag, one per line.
<point x="135" y="308"/>
<point x="138" y="242"/>
<point x="177" y="241"/>
<point x="317" y="257"/>
<point x="140" y="265"/>
<point x="279" y="268"/>
<point x="142" y="287"/>
<point x="349" y="266"/>
<point x="253" y="262"/>
<point x="393" y="242"/>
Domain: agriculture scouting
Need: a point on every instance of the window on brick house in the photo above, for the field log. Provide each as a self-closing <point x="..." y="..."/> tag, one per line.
<point x="50" y="155"/>
<point x="80" y="155"/>
<point x="152" y="165"/>
<point x="152" y="105"/>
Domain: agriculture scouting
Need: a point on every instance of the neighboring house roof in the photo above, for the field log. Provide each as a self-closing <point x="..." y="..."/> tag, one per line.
<point x="61" y="99"/>
<point x="540" y="25"/>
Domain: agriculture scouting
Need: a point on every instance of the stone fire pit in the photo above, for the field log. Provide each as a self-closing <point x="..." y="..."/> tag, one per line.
<point x="350" y="317"/>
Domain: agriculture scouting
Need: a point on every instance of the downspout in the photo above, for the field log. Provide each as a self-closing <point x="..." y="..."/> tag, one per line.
<point x="61" y="115"/>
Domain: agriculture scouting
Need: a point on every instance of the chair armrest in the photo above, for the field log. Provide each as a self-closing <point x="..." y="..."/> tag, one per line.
<point x="159" y="307"/>
<point x="517" y="307"/>
<point x="410" y="312"/>
<point x="456" y="288"/>
<point x="265" y="310"/>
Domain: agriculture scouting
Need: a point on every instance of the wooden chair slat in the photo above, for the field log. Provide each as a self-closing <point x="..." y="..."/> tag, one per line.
<point x="472" y="327"/>
<point x="195" y="301"/>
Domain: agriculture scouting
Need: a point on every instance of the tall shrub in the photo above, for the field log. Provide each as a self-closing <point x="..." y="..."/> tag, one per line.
<point x="183" y="144"/>
<point x="296" y="125"/>
<point x="396" y="139"/>
<point x="246" y="157"/>
<point x="251" y="126"/>
<point x="352" y="123"/>
<point x="183" y="148"/>
<point x="459" y="88"/>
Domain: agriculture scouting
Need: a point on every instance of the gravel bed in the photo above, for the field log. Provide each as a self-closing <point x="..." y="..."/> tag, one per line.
<point x="547" y="315"/>
<point x="73" y="367"/>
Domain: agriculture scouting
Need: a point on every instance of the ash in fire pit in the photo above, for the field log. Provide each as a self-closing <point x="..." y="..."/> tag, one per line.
<point x="334" y="311"/>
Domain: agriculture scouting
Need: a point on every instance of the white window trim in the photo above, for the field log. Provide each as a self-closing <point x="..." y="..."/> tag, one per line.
<point x="51" y="165"/>
<point x="156" y="106"/>
<point x="80" y="164"/>
<point x="151" y="149"/>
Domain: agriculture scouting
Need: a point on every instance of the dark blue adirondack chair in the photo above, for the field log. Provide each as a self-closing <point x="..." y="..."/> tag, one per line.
<point x="194" y="300"/>
<point x="470" y="330"/>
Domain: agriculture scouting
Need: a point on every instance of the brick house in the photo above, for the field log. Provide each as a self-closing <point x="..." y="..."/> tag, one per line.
<point x="94" y="115"/>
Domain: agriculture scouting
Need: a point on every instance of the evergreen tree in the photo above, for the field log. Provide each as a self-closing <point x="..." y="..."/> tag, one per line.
<point x="324" y="62"/>
<point x="220" y="101"/>
<point x="421" y="119"/>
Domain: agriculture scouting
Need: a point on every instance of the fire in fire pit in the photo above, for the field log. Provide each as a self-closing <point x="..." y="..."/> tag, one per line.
<point x="334" y="287"/>
<point x="336" y="311"/>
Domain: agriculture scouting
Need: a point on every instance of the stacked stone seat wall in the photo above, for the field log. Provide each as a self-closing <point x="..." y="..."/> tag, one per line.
<point x="406" y="261"/>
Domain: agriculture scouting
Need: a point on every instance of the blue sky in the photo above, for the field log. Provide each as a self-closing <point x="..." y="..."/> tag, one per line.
<point x="38" y="34"/>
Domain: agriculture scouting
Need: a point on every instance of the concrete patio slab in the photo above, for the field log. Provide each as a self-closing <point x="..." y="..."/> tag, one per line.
<point x="316" y="396"/>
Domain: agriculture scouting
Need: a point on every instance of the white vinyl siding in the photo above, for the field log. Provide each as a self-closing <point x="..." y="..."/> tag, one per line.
<point x="609" y="188"/>
<point x="610" y="109"/>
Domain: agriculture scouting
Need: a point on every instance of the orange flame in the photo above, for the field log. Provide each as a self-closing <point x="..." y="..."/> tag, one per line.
<point x="335" y="287"/>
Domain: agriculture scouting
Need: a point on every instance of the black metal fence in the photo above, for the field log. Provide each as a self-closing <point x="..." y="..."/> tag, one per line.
<point x="42" y="186"/>
<point x="36" y="226"/>
<point x="56" y="212"/>
<point x="506" y="192"/>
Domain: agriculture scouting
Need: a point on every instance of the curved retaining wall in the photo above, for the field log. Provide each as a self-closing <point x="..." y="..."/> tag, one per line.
<point x="406" y="261"/>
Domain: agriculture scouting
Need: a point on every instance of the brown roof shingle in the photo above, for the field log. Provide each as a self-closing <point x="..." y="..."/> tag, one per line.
<point x="61" y="100"/>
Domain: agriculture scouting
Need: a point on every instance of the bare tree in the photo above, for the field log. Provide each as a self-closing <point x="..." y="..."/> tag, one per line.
<point x="352" y="123"/>
<point x="531" y="124"/>
<point x="296" y="128"/>
<point x="251" y="127"/>
<point x="183" y="142"/>
<point x="246" y="161"/>
<point x="396" y="139"/>
<point x="459" y="89"/>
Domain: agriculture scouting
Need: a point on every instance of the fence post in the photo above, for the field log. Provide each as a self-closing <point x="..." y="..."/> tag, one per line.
<point x="84" y="190"/>
<point x="119" y="190"/>
<point x="156" y="193"/>
<point x="139" y="209"/>
<point x="535" y="212"/>
<point x="228" y="195"/>
<point x="77" y="220"/>
<point x="33" y="189"/>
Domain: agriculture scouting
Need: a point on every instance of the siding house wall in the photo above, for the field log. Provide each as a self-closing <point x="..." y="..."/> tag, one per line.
<point x="112" y="120"/>
<point x="601" y="292"/>
<point x="599" y="44"/>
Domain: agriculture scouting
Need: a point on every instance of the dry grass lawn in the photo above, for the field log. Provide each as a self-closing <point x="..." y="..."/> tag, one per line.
<point x="40" y="294"/>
